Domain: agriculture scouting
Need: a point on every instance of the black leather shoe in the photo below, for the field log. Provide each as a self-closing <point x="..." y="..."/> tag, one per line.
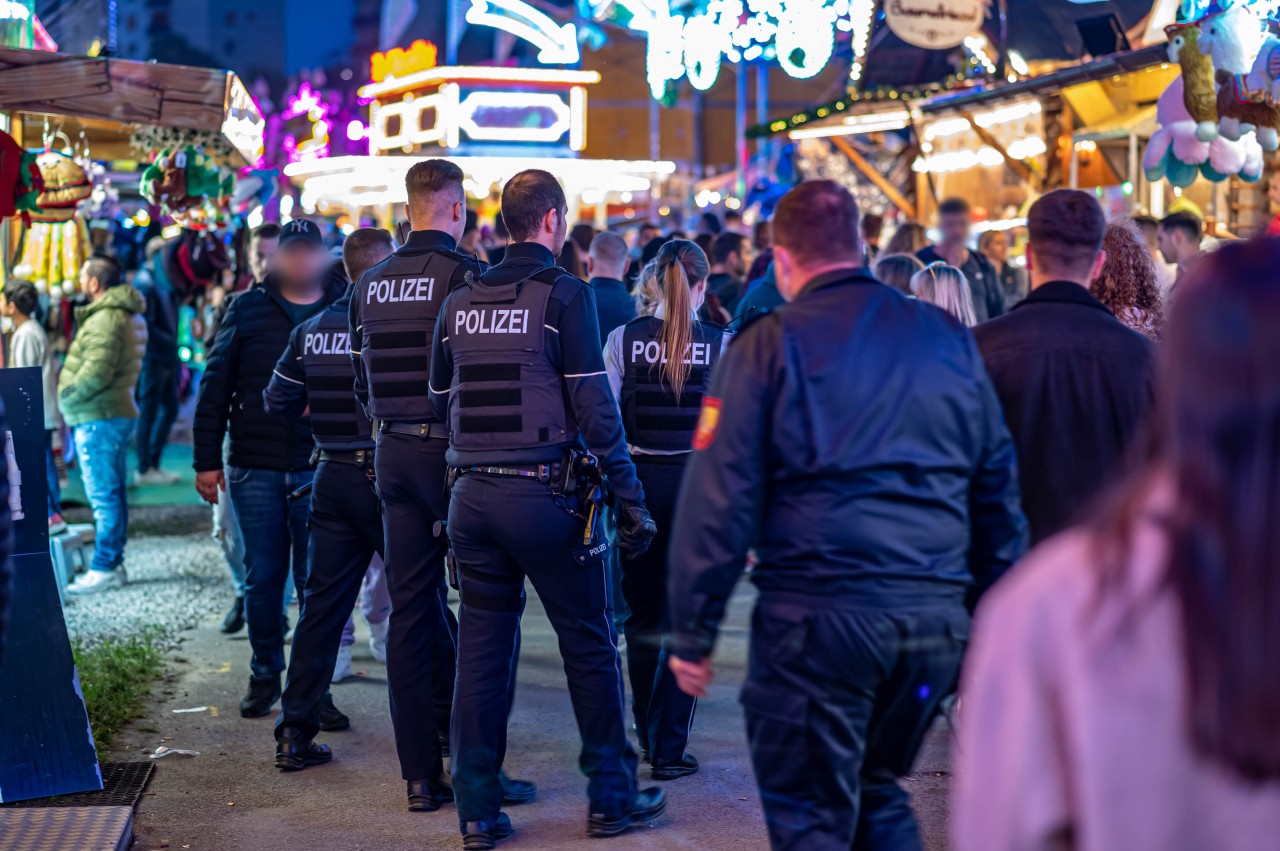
<point x="293" y="755"/>
<point x="260" y="697"/>
<point x="647" y="806"/>
<point x="234" y="621"/>
<point x="444" y="747"/>
<point x="666" y="769"/>
<point x="483" y="835"/>
<point x="331" y="718"/>
<point x="517" y="791"/>
<point x="426" y="796"/>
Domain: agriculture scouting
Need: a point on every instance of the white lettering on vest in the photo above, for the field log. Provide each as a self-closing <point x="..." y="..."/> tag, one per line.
<point x="404" y="289"/>
<point x="502" y="320"/>
<point x="323" y="343"/>
<point x="695" y="354"/>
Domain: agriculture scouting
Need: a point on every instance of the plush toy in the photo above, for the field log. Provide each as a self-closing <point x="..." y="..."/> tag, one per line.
<point x="1241" y="110"/>
<point x="1233" y="38"/>
<point x="65" y="186"/>
<point x="1264" y="76"/>
<point x="1198" y="93"/>
<point x="1176" y="154"/>
<point x="193" y="189"/>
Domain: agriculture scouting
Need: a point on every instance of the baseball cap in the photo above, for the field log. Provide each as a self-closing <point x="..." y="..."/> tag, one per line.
<point x="301" y="232"/>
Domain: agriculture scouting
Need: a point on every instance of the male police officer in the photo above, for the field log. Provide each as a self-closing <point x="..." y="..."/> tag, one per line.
<point x="314" y="374"/>
<point x="517" y="369"/>
<point x="393" y="313"/>
<point x="854" y="436"/>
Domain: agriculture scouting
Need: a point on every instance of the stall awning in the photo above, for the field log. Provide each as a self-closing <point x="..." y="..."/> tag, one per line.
<point x="129" y="92"/>
<point x="1140" y="123"/>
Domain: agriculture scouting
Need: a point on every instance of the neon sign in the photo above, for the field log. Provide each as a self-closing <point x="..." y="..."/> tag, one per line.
<point x="401" y="61"/>
<point x="306" y="102"/>
<point x="557" y="45"/>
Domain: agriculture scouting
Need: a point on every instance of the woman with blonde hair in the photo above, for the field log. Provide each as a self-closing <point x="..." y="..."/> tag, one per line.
<point x="659" y="366"/>
<point x="946" y="287"/>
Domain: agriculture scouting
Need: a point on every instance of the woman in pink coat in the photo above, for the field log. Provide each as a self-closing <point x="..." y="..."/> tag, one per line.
<point x="1123" y="687"/>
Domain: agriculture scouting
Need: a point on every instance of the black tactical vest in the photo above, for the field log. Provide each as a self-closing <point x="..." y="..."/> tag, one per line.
<point x="337" y="420"/>
<point x="651" y="414"/>
<point x="399" y="304"/>
<point x="507" y="394"/>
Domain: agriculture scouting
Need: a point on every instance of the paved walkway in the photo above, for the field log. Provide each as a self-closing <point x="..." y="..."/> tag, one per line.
<point x="230" y="797"/>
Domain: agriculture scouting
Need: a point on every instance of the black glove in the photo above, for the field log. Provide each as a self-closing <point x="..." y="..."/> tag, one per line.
<point x="636" y="530"/>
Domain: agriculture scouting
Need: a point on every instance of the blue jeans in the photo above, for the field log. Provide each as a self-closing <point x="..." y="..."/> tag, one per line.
<point x="103" y="449"/>
<point x="51" y="475"/>
<point x="275" y="535"/>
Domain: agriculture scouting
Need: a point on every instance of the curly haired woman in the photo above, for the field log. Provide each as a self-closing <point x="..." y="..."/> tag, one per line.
<point x="1128" y="283"/>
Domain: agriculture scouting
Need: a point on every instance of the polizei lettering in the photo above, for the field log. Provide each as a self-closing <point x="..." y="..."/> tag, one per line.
<point x="695" y="354"/>
<point x="499" y="320"/>
<point x="327" y="343"/>
<point x="403" y="289"/>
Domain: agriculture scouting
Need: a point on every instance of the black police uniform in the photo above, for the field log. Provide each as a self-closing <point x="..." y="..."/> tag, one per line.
<point x="854" y="437"/>
<point x="346" y="527"/>
<point x="517" y="370"/>
<point x="659" y="428"/>
<point x="392" y="316"/>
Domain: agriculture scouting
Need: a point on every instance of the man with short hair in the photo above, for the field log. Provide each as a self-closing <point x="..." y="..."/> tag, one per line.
<point x="264" y="242"/>
<point x="872" y="227"/>
<point x="314" y="375"/>
<point x="955" y="227"/>
<point x="1180" y="236"/>
<point x="95" y="393"/>
<point x="878" y="501"/>
<point x="394" y="310"/>
<point x="270" y="456"/>
<point x="1165" y="271"/>
<point x="730" y="259"/>
<point x="606" y="266"/>
<point x="518" y="372"/>
<point x="1073" y="381"/>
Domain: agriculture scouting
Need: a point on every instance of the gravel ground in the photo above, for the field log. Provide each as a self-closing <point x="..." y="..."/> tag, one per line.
<point x="178" y="580"/>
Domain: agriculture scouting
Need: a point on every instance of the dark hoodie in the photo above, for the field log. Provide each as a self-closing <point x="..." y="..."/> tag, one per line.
<point x="254" y="331"/>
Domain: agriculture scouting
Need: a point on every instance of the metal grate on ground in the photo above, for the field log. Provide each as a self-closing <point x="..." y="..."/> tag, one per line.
<point x="122" y="785"/>
<point x="61" y="829"/>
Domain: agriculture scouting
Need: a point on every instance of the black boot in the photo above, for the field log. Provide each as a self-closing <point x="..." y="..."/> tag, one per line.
<point x="260" y="697"/>
<point x="517" y="791"/>
<point x="295" y="755"/>
<point x="331" y="718"/>
<point x="427" y="796"/>
<point x="647" y="806"/>
<point x="234" y="621"/>
<point x="483" y="835"/>
<point x="667" y="769"/>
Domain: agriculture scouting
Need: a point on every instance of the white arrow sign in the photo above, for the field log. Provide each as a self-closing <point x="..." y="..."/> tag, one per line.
<point x="557" y="45"/>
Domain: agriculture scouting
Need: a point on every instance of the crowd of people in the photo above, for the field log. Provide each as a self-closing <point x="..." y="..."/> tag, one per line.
<point x="882" y="433"/>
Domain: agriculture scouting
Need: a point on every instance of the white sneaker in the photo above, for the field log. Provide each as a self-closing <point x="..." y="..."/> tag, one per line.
<point x="342" y="668"/>
<point x="97" y="581"/>
<point x="378" y="640"/>
<point x="155" y="476"/>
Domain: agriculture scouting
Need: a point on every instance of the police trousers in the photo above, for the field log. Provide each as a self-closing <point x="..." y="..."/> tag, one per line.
<point x="346" y="531"/>
<point x="422" y="633"/>
<point x="663" y="713"/>
<point x="502" y="530"/>
<point x="838" y="701"/>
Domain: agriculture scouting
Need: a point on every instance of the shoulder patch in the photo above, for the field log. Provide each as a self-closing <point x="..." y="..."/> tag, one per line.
<point x="708" y="423"/>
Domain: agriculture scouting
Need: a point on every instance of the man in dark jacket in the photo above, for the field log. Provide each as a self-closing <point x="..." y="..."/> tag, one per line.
<point x="1073" y="380"/>
<point x="953" y="249"/>
<point x="880" y="500"/>
<point x="606" y="266"/>
<point x="270" y="456"/>
<point x="158" y="381"/>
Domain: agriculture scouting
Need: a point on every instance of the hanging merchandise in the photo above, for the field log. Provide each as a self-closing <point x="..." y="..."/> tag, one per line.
<point x="52" y="254"/>
<point x="20" y="179"/>
<point x="1217" y="117"/>
<point x="191" y="187"/>
<point x="65" y="185"/>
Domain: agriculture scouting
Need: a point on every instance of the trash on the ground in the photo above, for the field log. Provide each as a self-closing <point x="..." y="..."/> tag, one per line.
<point x="231" y="803"/>
<point x="225" y="669"/>
<point x="166" y="751"/>
<point x="166" y="738"/>
<point x="192" y="709"/>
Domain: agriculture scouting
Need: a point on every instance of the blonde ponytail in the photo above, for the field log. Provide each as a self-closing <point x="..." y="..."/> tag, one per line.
<point x="680" y="265"/>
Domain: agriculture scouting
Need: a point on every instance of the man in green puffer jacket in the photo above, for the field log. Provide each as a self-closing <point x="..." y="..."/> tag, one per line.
<point x="95" y="393"/>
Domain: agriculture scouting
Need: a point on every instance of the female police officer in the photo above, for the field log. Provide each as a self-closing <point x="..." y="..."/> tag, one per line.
<point x="517" y="372"/>
<point x="659" y="367"/>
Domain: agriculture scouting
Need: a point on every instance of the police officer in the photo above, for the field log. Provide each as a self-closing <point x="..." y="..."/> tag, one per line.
<point x="517" y="370"/>
<point x="854" y="437"/>
<point x="314" y="374"/>
<point x="392" y="316"/>
<point x="659" y="367"/>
